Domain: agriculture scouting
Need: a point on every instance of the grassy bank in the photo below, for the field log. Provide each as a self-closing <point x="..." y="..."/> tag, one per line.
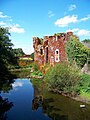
<point x="68" y="80"/>
<point x="84" y="86"/>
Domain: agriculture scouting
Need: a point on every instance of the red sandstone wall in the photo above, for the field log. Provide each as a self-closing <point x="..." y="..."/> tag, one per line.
<point x="53" y="43"/>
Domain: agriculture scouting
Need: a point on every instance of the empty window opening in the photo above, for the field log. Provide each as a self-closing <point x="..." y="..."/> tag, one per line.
<point x="57" y="55"/>
<point x="41" y="51"/>
<point x="56" y="52"/>
<point x="47" y="55"/>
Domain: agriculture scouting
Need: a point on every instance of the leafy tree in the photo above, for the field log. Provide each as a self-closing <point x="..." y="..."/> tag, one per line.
<point x="86" y="40"/>
<point x="77" y="52"/>
<point x="18" y="52"/>
<point x="32" y="56"/>
<point x="7" y="58"/>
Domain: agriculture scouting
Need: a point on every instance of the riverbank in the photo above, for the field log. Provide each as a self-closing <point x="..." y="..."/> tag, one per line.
<point x="80" y="98"/>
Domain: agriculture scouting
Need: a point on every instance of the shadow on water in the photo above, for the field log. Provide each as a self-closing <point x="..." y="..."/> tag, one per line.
<point x="56" y="106"/>
<point x="5" y="106"/>
<point x="21" y="74"/>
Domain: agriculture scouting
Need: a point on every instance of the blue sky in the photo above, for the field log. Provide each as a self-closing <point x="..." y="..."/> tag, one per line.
<point x="29" y="18"/>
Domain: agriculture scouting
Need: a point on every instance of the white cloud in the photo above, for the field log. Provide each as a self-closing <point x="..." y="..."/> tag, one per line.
<point x="85" y="18"/>
<point x="83" y="32"/>
<point x="8" y="23"/>
<point x="80" y="32"/>
<point x="65" y="21"/>
<point x="17" y="84"/>
<point x="62" y="22"/>
<point x="2" y="23"/>
<point x="16" y="29"/>
<point x="50" y="14"/>
<point x="73" y="30"/>
<point x="72" y="7"/>
<point x="3" y="16"/>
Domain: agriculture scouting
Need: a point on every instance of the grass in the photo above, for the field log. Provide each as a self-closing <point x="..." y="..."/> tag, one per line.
<point x="85" y="85"/>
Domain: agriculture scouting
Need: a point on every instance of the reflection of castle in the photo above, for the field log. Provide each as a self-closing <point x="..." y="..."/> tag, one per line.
<point x="47" y="104"/>
<point x="51" y="49"/>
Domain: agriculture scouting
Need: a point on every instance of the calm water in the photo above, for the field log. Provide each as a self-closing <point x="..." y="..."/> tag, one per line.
<point x="22" y="100"/>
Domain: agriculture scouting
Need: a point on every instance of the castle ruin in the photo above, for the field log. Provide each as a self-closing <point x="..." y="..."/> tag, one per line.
<point x="51" y="49"/>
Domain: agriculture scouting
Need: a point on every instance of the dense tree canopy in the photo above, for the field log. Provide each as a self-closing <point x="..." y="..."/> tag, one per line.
<point x="77" y="52"/>
<point x="7" y="58"/>
<point x="86" y="40"/>
<point x="18" y="52"/>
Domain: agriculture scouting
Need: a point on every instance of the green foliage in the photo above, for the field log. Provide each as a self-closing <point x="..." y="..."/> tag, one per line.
<point x="86" y="40"/>
<point x="36" y="73"/>
<point x="32" y="56"/>
<point x="7" y="58"/>
<point x="77" y="52"/>
<point x="84" y="84"/>
<point x="18" y="52"/>
<point x="35" y="67"/>
<point x="63" y="77"/>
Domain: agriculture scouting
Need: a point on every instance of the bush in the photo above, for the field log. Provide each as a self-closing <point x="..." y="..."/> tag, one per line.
<point x="35" y="67"/>
<point x="63" y="77"/>
<point x="84" y="84"/>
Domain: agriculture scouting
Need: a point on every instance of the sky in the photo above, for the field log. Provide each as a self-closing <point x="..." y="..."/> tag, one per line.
<point x="36" y="18"/>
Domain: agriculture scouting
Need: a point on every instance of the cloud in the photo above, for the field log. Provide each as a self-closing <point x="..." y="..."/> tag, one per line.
<point x="17" y="84"/>
<point x="65" y="21"/>
<point x="72" y="7"/>
<point x="3" y="16"/>
<point x="80" y="32"/>
<point x="50" y="14"/>
<point x="8" y="23"/>
<point x="2" y="23"/>
<point x="85" y="18"/>
<point x="16" y="29"/>
<point x="83" y="32"/>
<point x="62" y="22"/>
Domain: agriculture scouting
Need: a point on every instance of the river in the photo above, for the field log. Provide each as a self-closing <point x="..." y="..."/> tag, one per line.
<point x="22" y="99"/>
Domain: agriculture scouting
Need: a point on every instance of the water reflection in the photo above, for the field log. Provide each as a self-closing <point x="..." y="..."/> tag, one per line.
<point x="58" y="107"/>
<point x="33" y="101"/>
<point x="6" y="85"/>
<point x="5" y="105"/>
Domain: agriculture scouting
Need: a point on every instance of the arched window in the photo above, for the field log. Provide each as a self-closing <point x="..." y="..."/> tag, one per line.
<point x="57" y="55"/>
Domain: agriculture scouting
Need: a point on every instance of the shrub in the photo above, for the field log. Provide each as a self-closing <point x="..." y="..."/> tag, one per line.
<point x="63" y="77"/>
<point x="35" y="67"/>
<point x="84" y="84"/>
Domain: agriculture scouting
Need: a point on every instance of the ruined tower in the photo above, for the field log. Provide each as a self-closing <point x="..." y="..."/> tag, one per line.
<point x="51" y="49"/>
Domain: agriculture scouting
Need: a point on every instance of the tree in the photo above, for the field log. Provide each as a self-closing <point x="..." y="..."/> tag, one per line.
<point x="18" y="52"/>
<point x="32" y="56"/>
<point x="7" y="58"/>
<point x="77" y="52"/>
<point x="86" y="40"/>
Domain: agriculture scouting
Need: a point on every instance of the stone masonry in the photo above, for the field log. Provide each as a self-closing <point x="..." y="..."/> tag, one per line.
<point x="50" y="49"/>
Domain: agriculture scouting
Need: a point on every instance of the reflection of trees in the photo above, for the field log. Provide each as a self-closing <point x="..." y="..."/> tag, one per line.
<point x="57" y="107"/>
<point x="6" y="85"/>
<point x="5" y="105"/>
<point x="52" y="112"/>
<point x="47" y="104"/>
<point x="22" y="73"/>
